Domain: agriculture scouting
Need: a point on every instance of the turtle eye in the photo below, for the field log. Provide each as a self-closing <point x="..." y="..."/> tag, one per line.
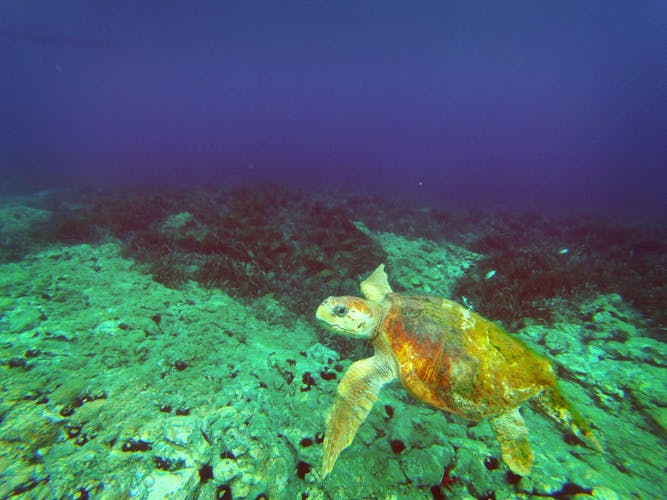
<point x="340" y="310"/>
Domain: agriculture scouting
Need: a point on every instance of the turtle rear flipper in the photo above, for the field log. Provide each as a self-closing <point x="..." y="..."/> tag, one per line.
<point x="512" y="435"/>
<point x="553" y="404"/>
<point x="357" y="391"/>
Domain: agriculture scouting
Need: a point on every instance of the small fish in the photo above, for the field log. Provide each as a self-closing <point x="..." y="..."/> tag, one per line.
<point x="490" y="274"/>
<point x="563" y="251"/>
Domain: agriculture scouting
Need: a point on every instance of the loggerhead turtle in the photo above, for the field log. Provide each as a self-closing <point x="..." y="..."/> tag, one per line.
<point x="446" y="356"/>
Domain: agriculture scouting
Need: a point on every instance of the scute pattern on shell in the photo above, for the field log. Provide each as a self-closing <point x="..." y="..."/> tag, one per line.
<point x="458" y="361"/>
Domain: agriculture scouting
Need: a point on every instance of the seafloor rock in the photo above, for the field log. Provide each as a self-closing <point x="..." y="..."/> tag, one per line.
<point x="423" y="265"/>
<point x="22" y="318"/>
<point x="128" y="388"/>
<point x="18" y="223"/>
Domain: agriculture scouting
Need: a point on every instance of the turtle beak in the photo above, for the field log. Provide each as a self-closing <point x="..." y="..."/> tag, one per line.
<point x="323" y="313"/>
<point x="320" y="314"/>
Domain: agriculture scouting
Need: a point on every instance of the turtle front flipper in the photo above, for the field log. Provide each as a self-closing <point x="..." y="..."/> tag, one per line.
<point x="553" y="404"/>
<point x="376" y="286"/>
<point x="512" y="434"/>
<point x="357" y="391"/>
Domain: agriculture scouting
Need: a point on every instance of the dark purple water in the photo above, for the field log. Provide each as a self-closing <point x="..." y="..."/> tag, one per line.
<point x="525" y="104"/>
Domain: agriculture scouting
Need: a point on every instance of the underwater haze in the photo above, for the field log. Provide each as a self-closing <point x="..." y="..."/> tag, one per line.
<point x="333" y="250"/>
<point x="516" y="103"/>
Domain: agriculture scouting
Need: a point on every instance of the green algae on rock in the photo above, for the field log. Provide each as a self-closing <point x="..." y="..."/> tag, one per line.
<point x="117" y="385"/>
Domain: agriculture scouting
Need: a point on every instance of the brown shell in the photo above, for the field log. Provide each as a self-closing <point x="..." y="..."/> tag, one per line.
<point x="458" y="361"/>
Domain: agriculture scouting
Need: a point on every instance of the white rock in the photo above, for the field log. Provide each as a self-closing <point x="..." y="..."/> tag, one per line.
<point x="180" y="431"/>
<point x="225" y="470"/>
<point x="170" y="485"/>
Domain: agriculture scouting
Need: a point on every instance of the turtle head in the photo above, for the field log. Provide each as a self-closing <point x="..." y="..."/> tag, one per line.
<point x="350" y="316"/>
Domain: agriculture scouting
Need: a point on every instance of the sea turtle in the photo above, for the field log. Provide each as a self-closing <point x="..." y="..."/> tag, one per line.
<point x="446" y="356"/>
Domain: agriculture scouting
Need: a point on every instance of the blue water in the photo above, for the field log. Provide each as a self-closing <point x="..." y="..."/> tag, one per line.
<point x="524" y="104"/>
